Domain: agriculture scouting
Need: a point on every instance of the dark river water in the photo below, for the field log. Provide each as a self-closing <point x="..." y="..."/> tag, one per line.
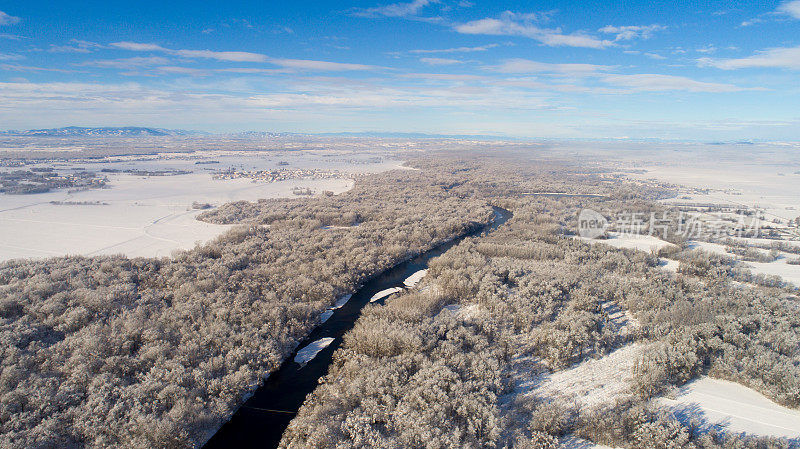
<point x="261" y="421"/>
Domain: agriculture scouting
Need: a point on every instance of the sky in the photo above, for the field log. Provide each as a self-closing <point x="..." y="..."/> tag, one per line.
<point x="709" y="71"/>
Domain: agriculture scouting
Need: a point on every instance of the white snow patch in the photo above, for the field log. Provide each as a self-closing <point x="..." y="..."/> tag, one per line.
<point x="590" y="383"/>
<point x="464" y="312"/>
<point x="414" y="279"/>
<point x="622" y="320"/>
<point x="669" y="265"/>
<point x="639" y="242"/>
<point x="384" y="293"/>
<point x="735" y="407"/>
<point x="573" y="442"/>
<point x="789" y="273"/>
<point x="309" y="352"/>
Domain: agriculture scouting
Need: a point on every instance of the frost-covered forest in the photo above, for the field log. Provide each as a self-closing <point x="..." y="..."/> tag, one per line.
<point x="110" y="351"/>
<point x="118" y="352"/>
<point x="463" y="361"/>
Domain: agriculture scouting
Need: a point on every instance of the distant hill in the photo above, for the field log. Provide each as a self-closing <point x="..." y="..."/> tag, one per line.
<point x="126" y="131"/>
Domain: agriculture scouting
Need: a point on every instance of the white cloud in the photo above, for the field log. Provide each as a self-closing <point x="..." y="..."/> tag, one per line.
<point x="395" y="9"/>
<point x="442" y="76"/>
<point x="439" y="61"/>
<point x="6" y="19"/>
<point x="514" y="24"/>
<point x="10" y="57"/>
<point x="304" y="64"/>
<point x="136" y="46"/>
<point x="787" y="58"/>
<point x="126" y="63"/>
<point x="708" y="49"/>
<point x="791" y="9"/>
<point x="615" y="83"/>
<point x="242" y="56"/>
<point x="626" y="33"/>
<point x="657" y="83"/>
<point x="76" y="46"/>
<point x="528" y="66"/>
<point x="232" y="56"/>
<point x="455" y="49"/>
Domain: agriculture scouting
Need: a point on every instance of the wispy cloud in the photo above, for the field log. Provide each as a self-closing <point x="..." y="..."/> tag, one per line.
<point x="10" y="57"/>
<point x="528" y="66"/>
<point x="660" y="83"/>
<point x="126" y="63"/>
<point x="784" y="57"/>
<point x="442" y="76"/>
<point x="614" y="83"/>
<point x="439" y="61"/>
<point x="241" y="56"/>
<point x="7" y="19"/>
<point x="791" y="9"/>
<point x="626" y="33"/>
<point x="136" y="46"/>
<point x="455" y="49"/>
<point x="76" y="46"/>
<point x="515" y="24"/>
<point x="412" y="8"/>
<point x="786" y="10"/>
<point x="232" y="56"/>
<point x="305" y="64"/>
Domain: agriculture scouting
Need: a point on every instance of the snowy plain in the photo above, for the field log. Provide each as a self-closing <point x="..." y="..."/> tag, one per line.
<point x="734" y="408"/>
<point x="151" y="216"/>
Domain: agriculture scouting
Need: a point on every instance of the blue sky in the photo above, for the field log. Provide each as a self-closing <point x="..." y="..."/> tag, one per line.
<point x="589" y="69"/>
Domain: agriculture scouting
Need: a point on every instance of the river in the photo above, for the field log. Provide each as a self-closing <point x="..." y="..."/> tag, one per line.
<point x="262" y="419"/>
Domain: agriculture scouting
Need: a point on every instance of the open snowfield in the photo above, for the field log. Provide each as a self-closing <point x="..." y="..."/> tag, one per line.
<point x="778" y="267"/>
<point x="763" y="174"/>
<point x="152" y="216"/>
<point x="639" y="242"/>
<point x="734" y="408"/>
<point x="590" y="383"/>
<point x="144" y="216"/>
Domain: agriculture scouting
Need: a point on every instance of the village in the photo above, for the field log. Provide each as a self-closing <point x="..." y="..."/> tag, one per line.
<point x="281" y="174"/>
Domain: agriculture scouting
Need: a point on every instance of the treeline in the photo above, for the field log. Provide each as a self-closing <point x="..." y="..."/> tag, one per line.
<point x="111" y="351"/>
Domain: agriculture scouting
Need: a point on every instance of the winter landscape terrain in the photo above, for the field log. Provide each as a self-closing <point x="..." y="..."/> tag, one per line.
<point x="400" y="224"/>
<point x="531" y="334"/>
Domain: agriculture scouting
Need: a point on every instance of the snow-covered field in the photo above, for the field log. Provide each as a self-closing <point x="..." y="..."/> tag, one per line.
<point x="734" y="408"/>
<point x="778" y="267"/>
<point x="639" y="242"/>
<point x="761" y="175"/>
<point x="152" y="215"/>
<point x="143" y="216"/>
<point x="590" y="383"/>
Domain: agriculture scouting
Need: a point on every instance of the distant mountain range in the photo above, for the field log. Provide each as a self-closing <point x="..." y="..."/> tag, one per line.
<point x="126" y="131"/>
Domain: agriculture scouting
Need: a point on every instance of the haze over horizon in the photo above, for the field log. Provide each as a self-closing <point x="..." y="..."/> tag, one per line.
<point x="549" y="70"/>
